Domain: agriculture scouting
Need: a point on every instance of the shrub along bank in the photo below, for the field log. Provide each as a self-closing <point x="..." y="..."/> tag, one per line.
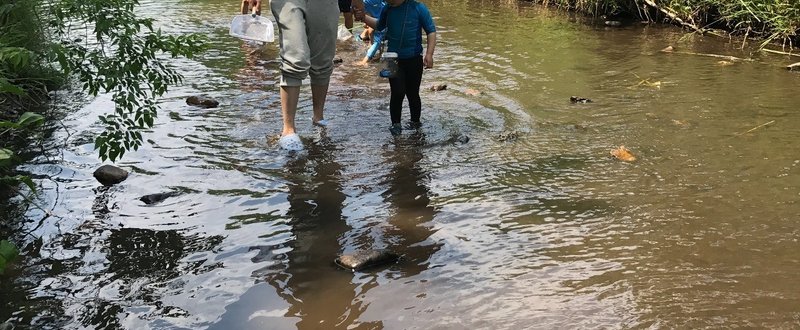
<point x="769" y="20"/>
<point x="103" y="46"/>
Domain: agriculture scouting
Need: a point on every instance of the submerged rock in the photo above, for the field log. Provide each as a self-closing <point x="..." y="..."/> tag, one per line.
<point x="157" y="198"/>
<point x="365" y="259"/>
<point x="202" y="101"/>
<point x="438" y="87"/>
<point x="506" y="136"/>
<point x="337" y="60"/>
<point x="575" y="99"/>
<point x="473" y="92"/>
<point x="110" y="175"/>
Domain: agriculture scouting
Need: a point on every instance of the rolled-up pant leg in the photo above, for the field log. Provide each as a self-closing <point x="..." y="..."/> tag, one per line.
<point x="322" y="33"/>
<point x="307" y="30"/>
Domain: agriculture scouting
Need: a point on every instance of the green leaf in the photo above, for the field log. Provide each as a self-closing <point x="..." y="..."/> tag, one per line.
<point x="8" y="87"/>
<point x="6" y="154"/>
<point x="8" y="124"/>
<point x="30" y="119"/>
<point x="27" y="181"/>
<point x="8" y="253"/>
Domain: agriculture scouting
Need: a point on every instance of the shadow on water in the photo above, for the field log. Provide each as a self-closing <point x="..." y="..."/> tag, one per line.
<point x="312" y="292"/>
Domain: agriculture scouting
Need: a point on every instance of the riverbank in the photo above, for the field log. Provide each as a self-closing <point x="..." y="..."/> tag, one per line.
<point x="765" y="20"/>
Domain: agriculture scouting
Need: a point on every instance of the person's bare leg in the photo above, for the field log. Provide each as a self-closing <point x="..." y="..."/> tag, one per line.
<point x="348" y="20"/>
<point x="289" y="97"/>
<point x="318" y="95"/>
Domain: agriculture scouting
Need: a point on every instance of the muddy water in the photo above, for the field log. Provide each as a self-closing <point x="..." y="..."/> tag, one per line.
<point x="542" y="231"/>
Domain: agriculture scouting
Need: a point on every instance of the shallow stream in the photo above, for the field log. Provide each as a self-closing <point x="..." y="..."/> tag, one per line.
<point x="538" y="229"/>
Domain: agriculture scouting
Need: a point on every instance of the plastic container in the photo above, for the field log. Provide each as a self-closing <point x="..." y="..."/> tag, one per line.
<point x="390" y="67"/>
<point x="252" y="27"/>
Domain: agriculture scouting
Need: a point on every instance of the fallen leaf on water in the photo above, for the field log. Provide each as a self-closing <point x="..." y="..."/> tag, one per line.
<point x="669" y="49"/>
<point x="656" y="84"/>
<point x="623" y="154"/>
<point x="724" y="63"/>
<point x="273" y="138"/>
<point x="680" y="123"/>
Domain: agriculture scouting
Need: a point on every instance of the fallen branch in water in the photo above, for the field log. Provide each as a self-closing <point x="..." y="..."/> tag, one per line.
<point x="778" y="52"/>
<point x="674" y="16"/>
<point x="757" y="127"/>
<point x="792" y="67"/>
<point x="646" y="82"/>
<point x="670" y="49"/>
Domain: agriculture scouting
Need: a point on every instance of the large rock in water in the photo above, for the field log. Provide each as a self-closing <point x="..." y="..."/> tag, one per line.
<point x="110" y="175"/>
<point x="366" y="259"/>
<point x="202" y="101"/>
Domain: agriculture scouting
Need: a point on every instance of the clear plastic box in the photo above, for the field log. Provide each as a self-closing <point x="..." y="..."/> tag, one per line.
<point x="252" y="27"/>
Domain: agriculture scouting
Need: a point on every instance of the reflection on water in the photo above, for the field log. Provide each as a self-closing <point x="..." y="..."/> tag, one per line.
<point x="545" y="230"/>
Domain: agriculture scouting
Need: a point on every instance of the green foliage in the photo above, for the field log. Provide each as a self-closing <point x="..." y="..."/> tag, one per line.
<point x="124" y="59"/>
<point x="8" y="253"/>
<point x="21" y="45"/>
<point x="770" y="19"/>
<point x="27" y="121"/>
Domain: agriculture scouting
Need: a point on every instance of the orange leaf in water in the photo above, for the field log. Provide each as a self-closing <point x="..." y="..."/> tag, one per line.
<point x="623" y="154"/>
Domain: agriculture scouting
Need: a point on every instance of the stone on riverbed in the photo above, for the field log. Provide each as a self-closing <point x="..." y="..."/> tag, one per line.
<point x="507" y="136"/>
<point x="365" y="259"/>
<point x="202" y="101"/>
<point x="438" y="87"/>
<point x="110" y="175"/>
<point x="157" y="198"/>
<point x="576" y="99"/>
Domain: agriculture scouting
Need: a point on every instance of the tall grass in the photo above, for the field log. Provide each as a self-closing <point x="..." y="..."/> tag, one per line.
<point x="772" y="20"/>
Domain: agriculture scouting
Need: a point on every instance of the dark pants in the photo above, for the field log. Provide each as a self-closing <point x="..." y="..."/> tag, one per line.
<point x="344" y="6"/>
<point x="406" y="84"/>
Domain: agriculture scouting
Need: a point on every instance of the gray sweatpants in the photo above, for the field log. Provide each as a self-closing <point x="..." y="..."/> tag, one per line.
<point x="307" y="38"/>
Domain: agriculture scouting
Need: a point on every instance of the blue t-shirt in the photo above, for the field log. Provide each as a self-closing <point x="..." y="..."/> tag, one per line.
<point x="404" y="25"/>
<point x="374" y="7"/>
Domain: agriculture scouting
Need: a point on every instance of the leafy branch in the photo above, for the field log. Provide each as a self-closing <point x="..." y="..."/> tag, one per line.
<point x="124" y="60"/>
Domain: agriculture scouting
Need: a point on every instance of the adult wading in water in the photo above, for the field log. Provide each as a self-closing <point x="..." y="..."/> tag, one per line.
<point x="307" y="34"/>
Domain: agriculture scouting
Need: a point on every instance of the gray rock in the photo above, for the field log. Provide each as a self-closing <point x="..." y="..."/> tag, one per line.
<point x="157" y="198"/>
<point x="110" y="175"/>
<point x="365" y="259"/>
<point x="202" y="101"/>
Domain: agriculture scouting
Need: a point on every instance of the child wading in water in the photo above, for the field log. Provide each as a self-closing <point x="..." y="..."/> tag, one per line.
<point x="404" y="21"/>
<point x="372" y="8"/>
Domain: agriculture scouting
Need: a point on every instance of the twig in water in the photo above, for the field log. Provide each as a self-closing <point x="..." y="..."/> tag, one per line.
<point x="778" y="52"/>
<point x="757" y="127"/>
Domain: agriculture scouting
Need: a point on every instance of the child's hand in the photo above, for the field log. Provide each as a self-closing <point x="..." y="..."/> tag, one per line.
<point x="428" y="61"/>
